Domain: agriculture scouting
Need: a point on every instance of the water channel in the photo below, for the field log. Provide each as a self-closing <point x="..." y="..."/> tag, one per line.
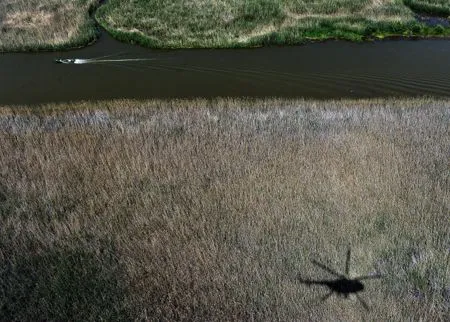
<point x="332" y="69"/>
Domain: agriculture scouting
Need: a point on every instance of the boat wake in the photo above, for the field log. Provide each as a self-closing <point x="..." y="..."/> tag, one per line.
<point x="100" y="60"/>
<point x="78" y="61"/>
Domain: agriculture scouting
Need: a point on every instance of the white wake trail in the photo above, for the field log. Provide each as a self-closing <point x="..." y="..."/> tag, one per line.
<point x="93" y="61"/>
<point x="99" y="60"/>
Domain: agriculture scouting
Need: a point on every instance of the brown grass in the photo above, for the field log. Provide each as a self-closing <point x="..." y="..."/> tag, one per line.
<point x="37" y="24"/>
<point x="210" y="210"/>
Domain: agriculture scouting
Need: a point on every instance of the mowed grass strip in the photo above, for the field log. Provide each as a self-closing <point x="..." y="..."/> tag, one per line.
<point x="231" y="23"/>
<point x="45" y="24"/>
<point x="212" y="210"/>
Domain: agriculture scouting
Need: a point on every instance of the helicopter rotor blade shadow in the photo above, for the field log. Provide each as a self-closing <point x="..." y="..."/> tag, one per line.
<point x="325" y="297"/>
<point x="367" y="277"/>
<point x="347" y="263"/>
<point x="319" y="299"/>
<point x="310" y="282"/>
<point x="363" y="303"/>
<point x="329" y="270"/>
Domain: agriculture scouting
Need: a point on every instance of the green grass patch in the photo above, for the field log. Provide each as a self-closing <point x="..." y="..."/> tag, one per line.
<point x="175" y="24"/>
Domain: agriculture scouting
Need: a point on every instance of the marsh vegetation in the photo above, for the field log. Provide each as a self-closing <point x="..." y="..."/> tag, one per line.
<point x="230" y="23"/>
<point x="210" y="210"/>
<point x="433" y="7"/>
<point x="57" y="24"/>
<point x="218" y="209"/>
<point x="48" y="24"/>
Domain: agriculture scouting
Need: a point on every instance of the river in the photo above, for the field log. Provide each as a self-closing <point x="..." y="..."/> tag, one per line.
<point x="332" y="69"/>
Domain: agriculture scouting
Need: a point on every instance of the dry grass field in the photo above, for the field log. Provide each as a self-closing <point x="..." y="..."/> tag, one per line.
<point x="213" y="210"/>
<point x="48" y="24"/>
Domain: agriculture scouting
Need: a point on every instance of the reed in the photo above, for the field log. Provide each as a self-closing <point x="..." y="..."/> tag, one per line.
<point x="229" y="23"/>
<point x="58" y="24"/>
<point x="45" y="24"/>
<point x="212" y="209"/>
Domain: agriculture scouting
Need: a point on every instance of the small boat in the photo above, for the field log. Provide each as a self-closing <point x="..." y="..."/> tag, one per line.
<point x="65" y="61"/>
<point x="70" y="61"/>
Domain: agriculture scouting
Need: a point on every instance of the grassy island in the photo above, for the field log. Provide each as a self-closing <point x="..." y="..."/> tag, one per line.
<point x="231" y="23"/>
<point x="212" y="210"/>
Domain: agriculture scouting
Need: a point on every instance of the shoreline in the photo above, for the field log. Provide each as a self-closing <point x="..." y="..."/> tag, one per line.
<point x="427" y="32"/>
<point x="211" y="103"/>
<point x="305" y="42"/>
<point x="141" y="41"/>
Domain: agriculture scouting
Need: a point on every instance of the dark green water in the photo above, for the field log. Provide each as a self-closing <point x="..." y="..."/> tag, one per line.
<point x="333" y="69"/>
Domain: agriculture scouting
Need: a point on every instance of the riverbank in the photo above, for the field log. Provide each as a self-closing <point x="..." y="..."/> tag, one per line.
<point x="228" y="24"/>
<point x="213" y="209"/>
<point x="56" y="25"/>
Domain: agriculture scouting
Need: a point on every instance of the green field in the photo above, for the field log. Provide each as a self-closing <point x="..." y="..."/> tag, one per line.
<point x="231" y="23"/>
<point x="45" y="24"/>
<point x="213" y="210"/>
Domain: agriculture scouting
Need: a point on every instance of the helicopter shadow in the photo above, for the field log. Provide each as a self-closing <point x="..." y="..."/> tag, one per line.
<point x="342" y="285"/>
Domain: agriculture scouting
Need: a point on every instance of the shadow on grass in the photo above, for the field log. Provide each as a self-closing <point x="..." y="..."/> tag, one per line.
<point x="343" y="285"/>
<point x="62" y="284"/>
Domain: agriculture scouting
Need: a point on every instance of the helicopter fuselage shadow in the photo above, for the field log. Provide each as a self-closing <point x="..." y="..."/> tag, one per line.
<point x="342" y="286"/>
